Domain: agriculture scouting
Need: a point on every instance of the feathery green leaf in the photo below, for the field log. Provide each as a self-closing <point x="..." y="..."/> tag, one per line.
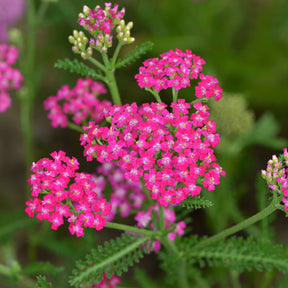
<point x="242" y="254"/>
<point x="74" y="66"/>
<point x="135" y="54"/>
<point x="113" y="258"/>
<point x="196" y="202"/>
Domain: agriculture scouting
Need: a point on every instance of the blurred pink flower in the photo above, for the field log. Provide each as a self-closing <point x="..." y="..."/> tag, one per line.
<point x="10" y="12"/>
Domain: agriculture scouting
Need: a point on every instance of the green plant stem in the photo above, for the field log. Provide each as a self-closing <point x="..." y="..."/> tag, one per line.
<point x="203" y="100"/>
<point x="75" y="127"/>
<point x="26" y="99"/>
<point x="156" y="94"/>
<point x="111" y="81"/>
<point x="236" y="228"/>
<point x="131" y="229"/>
<point x="181" y="271"/>
<point x="161" y="219"/>
<point x="175" y="95"/>
<point x="97" y="64"/>
<point x="115" y="55"/>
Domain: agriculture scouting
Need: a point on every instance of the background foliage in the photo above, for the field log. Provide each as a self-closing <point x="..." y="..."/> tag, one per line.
<point x="244" y="43"/>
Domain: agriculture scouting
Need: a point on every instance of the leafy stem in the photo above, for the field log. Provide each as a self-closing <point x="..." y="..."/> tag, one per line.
<point x="238" y="227"/>
<point x="155" y="94"/>
<point x="75" y="127"/>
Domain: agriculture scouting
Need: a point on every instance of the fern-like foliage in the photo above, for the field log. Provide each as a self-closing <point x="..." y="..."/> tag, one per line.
<point x="113" y="258"/>
<point x="134" y="55"/>
<point x="242" y="254"/>
<point x="196" y="202"/>
<point x="42" y="282"/>
<point x="74" y="66"/>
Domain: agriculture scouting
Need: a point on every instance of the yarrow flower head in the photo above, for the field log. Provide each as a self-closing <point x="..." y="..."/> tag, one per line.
<point x="170" y="151"/>
<point x="81" y="103"/>
<point x="10" y="78"/>
<point x="276" y="176"/>
<point x="100" y="24"/>
<point x="59" y="191"/>
<point x="174" y="70"/>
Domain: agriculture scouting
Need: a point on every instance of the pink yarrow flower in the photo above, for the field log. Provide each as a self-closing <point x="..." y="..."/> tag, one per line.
<point x="150" y="134"/>
<point x="60" y="192"/>
<point x="81" y="103"/>
<point x="276" y="176"/>
<point x="10" y="78"/>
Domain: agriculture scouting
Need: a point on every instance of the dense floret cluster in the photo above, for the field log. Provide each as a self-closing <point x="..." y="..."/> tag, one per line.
<point x="81" y="103"/>
<point x="170" y="150"/>
<point x="10" y="78"/>
<point x="276" y="175"/>
<point x="173" y="69"/>
<point x="59" y="191"/>
<point x="100" y="23"/>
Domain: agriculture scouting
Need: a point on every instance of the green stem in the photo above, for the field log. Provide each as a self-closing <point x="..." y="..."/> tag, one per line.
<point x="75" y="127"/>
<point x="97" y="63"/>
<point x="155" y="94"/>
<point x="26" y="100"/>
<point x="181" y="271"/>
<point x="131" y="229"/>
<point x="236" y="228"/>
<point x="115" y="55"/>
<point x="175" y="95"/>
<point x="203" y="100"/>
<point x="111" y="81"/>
<point x="161" y="219"/>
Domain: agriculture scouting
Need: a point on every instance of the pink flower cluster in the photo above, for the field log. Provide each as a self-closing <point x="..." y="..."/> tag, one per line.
<point x="59" y="191"/>
<point x="144" y="220"/>
<point x="9" y="77"/>
<point x="107" y="283"/>
<point x="126" y="195"/>
<point x="276" y="175"/>
<point x="80" y="102"/>
<point x="174" y="70"/>
<point x="170" y="150"/>
<point x="101" y="22"/>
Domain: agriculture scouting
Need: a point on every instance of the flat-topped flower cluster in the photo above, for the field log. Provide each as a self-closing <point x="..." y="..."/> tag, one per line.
<point x="276" y="176"/>
<point x="10" y="78"/>
<point x="170" y="150"/>
<point x="174" y="70"/>
<point x="81" y="103"/>
<point x="59" y="191"/>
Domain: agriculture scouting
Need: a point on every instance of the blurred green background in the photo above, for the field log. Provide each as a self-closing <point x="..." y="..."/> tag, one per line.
<point x="244" y="44"/>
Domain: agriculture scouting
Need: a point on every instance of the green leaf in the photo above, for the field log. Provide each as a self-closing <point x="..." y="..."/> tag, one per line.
<point x="113" y="258"/>
<point x="41" y="267"/>
<point x="74" y="66"/>
<point x="134" y="55"/>
<point x="242" y="254"/>
<point x="196" y="202"/>
<point x="42" y="282"/>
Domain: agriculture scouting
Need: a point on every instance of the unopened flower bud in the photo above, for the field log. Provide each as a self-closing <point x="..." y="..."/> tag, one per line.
<point x="129" y="25"/>
<point x="86" y="10"/>
<point x="75" y="34"/>
<point x="71" y="39"/>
